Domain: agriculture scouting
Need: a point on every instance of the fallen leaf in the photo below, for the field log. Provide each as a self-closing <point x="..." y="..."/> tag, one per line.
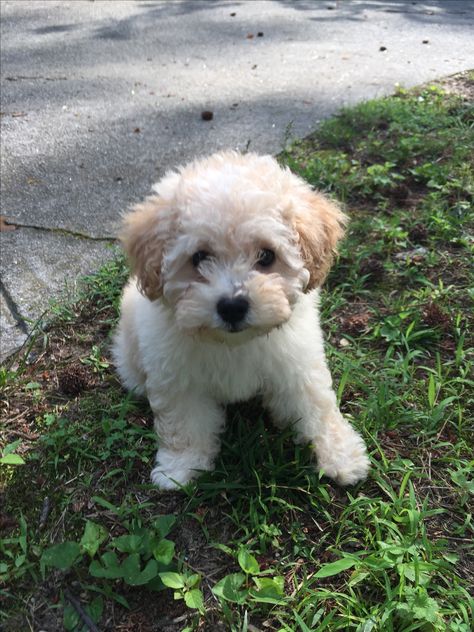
<point x="17" y="114"/>
<point x="250" y="36"/>
<point x="356" y="323"/>
<point x="416" y="254"/>
<point x="5" y="225"/>
<point x="74" y="379"/>
<point x="434" y="316"/>
<point x="373" y="267"/>
<point x="7" y="522"/>
<point x="401" y="193"/>
<point x="78" y="505"/>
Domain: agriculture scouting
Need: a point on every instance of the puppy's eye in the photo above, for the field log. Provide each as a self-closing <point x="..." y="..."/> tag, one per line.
<point x="266" y="257"/>
<point x="198" y="257"/>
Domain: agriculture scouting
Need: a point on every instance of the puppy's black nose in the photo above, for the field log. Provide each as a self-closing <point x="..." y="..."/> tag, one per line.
<point x="232" y="310"/>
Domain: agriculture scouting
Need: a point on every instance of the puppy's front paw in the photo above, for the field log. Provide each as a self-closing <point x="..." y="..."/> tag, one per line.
<point x="171" y="479"/>
<point x="347" y="473"/>
<point x="175" y="469"/>
<point x="347" y="462"/>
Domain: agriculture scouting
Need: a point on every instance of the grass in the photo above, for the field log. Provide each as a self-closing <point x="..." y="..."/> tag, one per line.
<point x="263" y="543"/>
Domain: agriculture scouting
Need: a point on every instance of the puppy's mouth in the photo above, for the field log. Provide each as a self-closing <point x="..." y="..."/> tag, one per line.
<point x="235" y="329"/>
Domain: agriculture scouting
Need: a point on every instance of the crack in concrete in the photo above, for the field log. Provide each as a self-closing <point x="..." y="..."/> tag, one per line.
<point x="62" y="231"/>
<point x="13" y="307"/>
<point x="26" y="77"/>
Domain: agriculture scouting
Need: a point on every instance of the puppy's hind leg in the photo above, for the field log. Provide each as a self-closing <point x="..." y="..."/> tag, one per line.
<point x="125" y="349"/>
<point x="188" y="429"/>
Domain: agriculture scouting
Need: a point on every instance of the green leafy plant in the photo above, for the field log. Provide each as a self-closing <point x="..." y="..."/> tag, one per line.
<point x="136" y="558"/>
<point x="250" y="585"/>
<point x="9" y="455"/>
<point x="185" y="586"/>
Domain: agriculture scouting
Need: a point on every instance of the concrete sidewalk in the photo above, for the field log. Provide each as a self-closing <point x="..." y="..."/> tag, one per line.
<point x="100" y="98"/>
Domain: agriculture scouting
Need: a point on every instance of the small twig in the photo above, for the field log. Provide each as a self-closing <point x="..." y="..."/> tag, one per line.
<point x="23" y="435"/>
<point x="44" y="512"/>
<point x="71" y="480"/>
<point x="442" y="430"/>
<point x="56" y="528"/>
<point x="15" y="418"/>
<point x="169" y="621"/>
<point x="91" y="626"/>
<point x="183" y="617"/>
<point x="317" y="524"/>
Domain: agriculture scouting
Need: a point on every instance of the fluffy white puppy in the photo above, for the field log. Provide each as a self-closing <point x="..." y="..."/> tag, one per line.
<point x="227" y="258"/>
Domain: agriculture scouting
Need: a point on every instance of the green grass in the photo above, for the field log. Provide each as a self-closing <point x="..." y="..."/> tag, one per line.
<point x="262" y="543"/>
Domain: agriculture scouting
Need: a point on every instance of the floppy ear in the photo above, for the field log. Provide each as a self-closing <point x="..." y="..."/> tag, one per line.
<point x="145" y="232"/>
<point x="319" y="223"/>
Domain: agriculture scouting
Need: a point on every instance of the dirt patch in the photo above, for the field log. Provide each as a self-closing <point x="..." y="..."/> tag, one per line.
<point x="461" y="84"/>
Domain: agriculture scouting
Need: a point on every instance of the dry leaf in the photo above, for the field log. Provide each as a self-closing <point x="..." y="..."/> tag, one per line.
<point x="5" y="225"/>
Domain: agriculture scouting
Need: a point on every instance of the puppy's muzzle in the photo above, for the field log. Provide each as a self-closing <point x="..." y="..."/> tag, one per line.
<point x="233" y="310"/>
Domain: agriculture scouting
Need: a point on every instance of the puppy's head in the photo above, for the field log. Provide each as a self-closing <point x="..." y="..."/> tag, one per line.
<point x="230" y="243"/>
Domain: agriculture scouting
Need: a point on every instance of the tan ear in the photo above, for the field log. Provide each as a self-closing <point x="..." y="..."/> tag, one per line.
<point x="145" y="232"/>
<point x="320" y="225"/>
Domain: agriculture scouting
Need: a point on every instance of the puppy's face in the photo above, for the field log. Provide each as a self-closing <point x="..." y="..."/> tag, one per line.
<point x="230" y="243"/>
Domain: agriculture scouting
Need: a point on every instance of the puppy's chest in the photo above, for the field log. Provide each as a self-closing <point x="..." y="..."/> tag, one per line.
<point x="231" y="375"/>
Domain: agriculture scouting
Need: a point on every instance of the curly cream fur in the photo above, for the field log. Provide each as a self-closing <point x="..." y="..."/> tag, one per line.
<point x="173" y="345"/>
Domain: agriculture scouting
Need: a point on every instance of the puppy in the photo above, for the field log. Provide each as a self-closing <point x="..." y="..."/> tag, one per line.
<point x="227" y="257"/>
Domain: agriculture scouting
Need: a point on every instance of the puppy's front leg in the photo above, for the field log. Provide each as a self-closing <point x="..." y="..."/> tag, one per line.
<point x="188" y="427"/>
<point x="341" y="452"/>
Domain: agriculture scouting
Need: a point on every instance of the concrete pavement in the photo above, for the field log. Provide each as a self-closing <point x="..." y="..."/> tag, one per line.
<point x="99" y="98"/>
